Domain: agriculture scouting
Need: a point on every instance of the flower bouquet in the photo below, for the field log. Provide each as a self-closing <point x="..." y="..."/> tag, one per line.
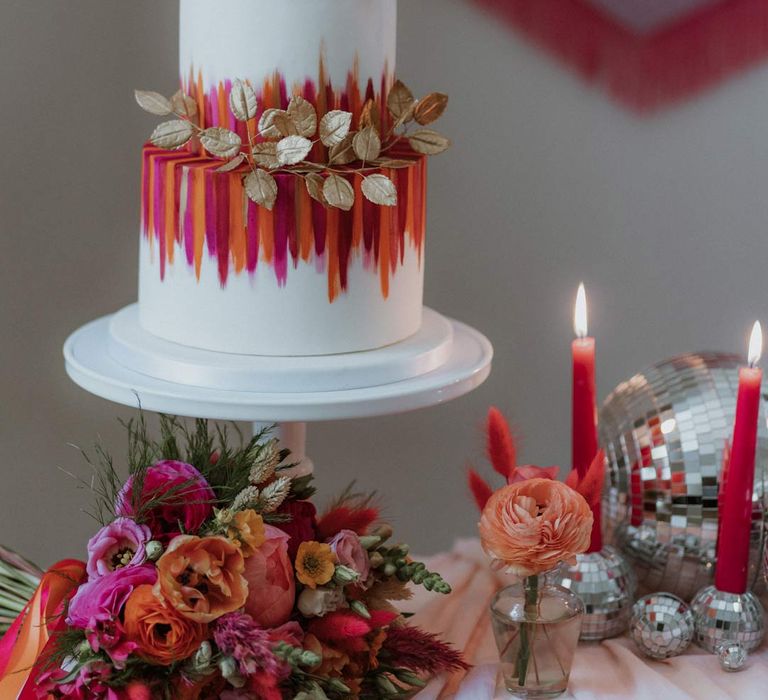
<point x="213" y="576"/>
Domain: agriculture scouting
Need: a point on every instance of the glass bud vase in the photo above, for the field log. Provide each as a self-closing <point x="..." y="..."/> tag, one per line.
<point x="537" y="627"/>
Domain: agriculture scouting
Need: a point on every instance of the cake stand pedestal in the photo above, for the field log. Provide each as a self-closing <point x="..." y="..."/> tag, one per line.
<point x="113" y="357"/>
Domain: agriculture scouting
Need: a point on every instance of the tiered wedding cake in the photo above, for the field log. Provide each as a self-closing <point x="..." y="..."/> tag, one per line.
<point x="220" y="271"/>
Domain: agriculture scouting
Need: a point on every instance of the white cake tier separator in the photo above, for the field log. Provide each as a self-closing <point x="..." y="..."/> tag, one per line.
<point x="136" y="349"/>
<point x="447" y="359"/>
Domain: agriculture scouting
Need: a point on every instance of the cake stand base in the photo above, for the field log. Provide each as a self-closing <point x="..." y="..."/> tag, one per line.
<point x="114" y="358"/>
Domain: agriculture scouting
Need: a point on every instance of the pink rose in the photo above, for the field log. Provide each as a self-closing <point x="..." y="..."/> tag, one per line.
<point x="101" y="600"/>
<point x="271" y="585"/>
<point x="302" y="526"/>
<point x="119" y="544"/>
<point x="185" y="497"/>
<point x="349" y="552"/>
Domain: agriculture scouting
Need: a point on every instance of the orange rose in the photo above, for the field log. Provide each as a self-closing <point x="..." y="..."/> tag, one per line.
<point x="161" y="633"/>
<point x="532" y="525"/>
<point x="202" y="577"/>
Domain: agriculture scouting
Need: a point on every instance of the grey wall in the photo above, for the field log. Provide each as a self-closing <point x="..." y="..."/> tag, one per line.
<point x="548" y="183"/>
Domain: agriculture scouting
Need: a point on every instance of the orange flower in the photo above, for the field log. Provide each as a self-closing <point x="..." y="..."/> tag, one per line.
<point x="247" y="529"/>
<point x="314" y="564"/>
<point x="332" y="661"/>
<point x="202" y="577"/>
<point x="161" y="633"/>
<point x="532" y="525"/>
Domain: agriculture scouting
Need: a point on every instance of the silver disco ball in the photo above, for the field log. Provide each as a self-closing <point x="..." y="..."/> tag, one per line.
<point x="663" y="432"/>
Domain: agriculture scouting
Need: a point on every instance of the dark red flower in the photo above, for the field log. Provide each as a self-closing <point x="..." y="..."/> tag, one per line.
<point x="302" y="527"/>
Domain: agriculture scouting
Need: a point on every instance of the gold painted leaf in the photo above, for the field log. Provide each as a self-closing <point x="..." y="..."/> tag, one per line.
<point x="265" y="154"/>
<point x="276" y="123"/>
<point x="430" y="108"/>
<point x="293" y="149"/>
<point x="379" y="189"/>
<point x="400" y="100"/>
<point x="173" y="134"/>
<point x="153" y="102"/>
<point x="370" y="115"/>
<point x="242" y="101"/>
<point x="183" y="104"/>
<point x="428" y="142"/>
<point x="338" y="192"/>
<point x="334" y="127"/>
<point x="367" y="144"/>
<point x="393" y="163"/>
<point x="232" y="164"/>
<point x="343" y="152"/>
<point x="314" y="183"/>
<point x="261" y="188"/>
<point x="303" y="115"/>
<point x="220" y="141"/>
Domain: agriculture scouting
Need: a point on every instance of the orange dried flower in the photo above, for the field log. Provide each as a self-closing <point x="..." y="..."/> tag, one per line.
<point x="161" y="633"/>
<point x="315" y="564"/>
<point x="530" y="526"/>
<point x="202" y="577"/>
<point x="247" y="529"/>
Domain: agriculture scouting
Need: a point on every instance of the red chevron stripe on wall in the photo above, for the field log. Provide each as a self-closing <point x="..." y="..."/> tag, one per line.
<point x="647" y="54"/>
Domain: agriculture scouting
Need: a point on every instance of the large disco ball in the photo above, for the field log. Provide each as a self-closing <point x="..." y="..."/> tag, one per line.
<point x="664" y="431"/>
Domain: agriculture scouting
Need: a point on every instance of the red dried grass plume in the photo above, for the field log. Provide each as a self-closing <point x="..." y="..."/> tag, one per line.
<point x="500" y="446"/>
<point x="591" y="486"/>
<point x="416" y="650"/>
<point x="345" y="517"/>
<point x="481" y="490"/>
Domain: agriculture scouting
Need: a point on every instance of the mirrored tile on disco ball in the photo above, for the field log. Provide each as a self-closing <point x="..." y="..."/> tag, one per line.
<point x="664" y="431"/>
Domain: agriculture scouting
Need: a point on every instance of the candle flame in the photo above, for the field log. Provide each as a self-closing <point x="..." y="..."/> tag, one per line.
<point x="580" y="313"/>
<point x="755" y="344"/>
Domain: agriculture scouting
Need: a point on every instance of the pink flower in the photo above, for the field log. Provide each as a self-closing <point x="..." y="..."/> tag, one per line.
<point x="119" y="544"/>
<point x="109" y="636"/>
<point x="349" y="552"/>
<point x="529" y="471"/>
<point x="101" y="600"/>
<point x="271" y="584"/>
<point x="185" y="497"/>
<point x="302" y="527"/>
<point x="87" y="684"/>
<point x="237" y="635"/>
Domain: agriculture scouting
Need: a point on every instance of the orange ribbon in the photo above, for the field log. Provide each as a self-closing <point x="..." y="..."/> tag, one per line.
<point x="23" y="644"/>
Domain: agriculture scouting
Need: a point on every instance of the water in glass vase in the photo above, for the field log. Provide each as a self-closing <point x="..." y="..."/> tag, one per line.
<point x="537" y="627"/>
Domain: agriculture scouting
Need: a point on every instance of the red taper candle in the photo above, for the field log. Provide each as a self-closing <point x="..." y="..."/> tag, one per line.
<point x="736" y="510"/>
<point x="584" y="405"/>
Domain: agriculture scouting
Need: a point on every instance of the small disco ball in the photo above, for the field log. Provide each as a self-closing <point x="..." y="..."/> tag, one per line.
<point x="661" y="625"/>
<point x="732" y="656"/>
<point x="663" y="432"/>
<point x="606" y="585"/>
<point x="721" y="617"/>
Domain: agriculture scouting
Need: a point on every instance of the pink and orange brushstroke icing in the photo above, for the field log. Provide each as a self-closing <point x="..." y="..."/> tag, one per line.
<point x="190" y="210"/>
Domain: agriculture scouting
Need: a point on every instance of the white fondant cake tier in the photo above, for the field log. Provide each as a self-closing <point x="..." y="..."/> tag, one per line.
<point x="253" y="314"/>
<point x="252" y="39"/>
<point x="219" y="272"/>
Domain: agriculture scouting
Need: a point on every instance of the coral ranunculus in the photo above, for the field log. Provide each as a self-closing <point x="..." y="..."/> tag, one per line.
<point x="530" y="526"/>
<point x="269" y="572"/>
<point x="161" y="634"/>
<point x="182" y="494"/>
<point x="202" y="577"/>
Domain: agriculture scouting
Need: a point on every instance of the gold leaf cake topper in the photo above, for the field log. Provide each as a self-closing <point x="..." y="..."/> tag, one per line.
<point x="284" y="139"/>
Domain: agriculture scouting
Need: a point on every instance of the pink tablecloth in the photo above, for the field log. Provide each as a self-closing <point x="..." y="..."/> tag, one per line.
<point x="611" y="669"/>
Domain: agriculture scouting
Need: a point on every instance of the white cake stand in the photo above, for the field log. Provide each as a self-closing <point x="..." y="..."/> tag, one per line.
<point x="113" y="357"/>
